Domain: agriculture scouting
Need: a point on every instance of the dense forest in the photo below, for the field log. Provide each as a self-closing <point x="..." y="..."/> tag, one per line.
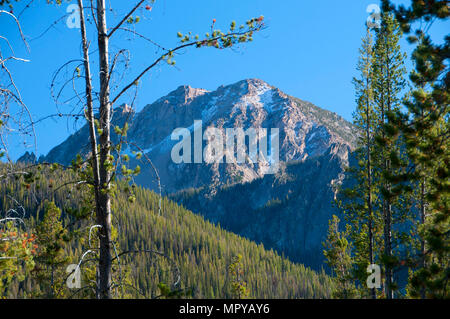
<point x="202" y="252"/>
<point x="87" y="230"/>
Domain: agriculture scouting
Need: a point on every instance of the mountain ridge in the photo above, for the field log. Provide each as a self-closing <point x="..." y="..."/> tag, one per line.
<point x="305" y="129"/>
<point x="314" y="148"/>
<point x="201" y="250"/>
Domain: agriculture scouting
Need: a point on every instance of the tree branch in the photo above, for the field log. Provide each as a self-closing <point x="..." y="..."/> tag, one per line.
<point x="125" y="18"/>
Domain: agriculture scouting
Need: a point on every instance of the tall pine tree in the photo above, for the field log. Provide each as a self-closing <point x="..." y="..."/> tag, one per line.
<point x="51" y="259"/>
<point x="338" y="254"/>
<point x="388" y="85"/>
<point x="358" y="202"/>
<point x="425" y="129"/>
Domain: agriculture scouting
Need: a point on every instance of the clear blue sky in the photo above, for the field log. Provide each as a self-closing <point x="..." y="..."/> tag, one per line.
<point x="309" y="50"/>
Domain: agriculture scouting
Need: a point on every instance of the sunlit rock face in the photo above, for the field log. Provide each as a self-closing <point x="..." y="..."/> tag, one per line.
<point x="314" y="147"/>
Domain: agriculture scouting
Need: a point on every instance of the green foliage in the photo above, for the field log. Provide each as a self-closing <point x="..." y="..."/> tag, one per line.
<point x="236" y="271"/>
<point x="10" y="5"/>
<point x="201" y="250"/>
<point x="51" y="259"/>
<point x="425" y="129"/>
<point x="389" y="158"/>
<point x="167" y="293"/>
<point x="398" y="209"/>
<point x="17" y="249"/>
<point x="339" y="257"/>
<point x="358" y="201"/>
<point x="373" y="208"/>
<point x="218" y="39"/>
<point x="98" y="175"/>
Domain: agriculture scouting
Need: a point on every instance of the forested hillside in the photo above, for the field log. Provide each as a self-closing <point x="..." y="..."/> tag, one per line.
<point x="326" y="207"/>
<point x="284" y="211"/>
<point x="202" y="251"/>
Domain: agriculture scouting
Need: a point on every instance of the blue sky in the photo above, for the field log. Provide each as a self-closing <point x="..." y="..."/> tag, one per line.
<point x="309" y="50"/>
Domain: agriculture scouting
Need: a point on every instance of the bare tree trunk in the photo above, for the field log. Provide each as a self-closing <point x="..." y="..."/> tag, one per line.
<point x="387" y="216"/>
<point x="52" y="282"/>
<point x="387" y="204"/>
<point x="104" y="203"/>
<point x="92" y="129"/>
<point x="89" y="101"/>
<point x="422" y="221"/>
<point x="370" y="211"/>
<point x="387" y="209"/>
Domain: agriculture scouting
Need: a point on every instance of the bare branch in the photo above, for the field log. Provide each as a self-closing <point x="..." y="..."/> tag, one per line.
<point x="125" y="18"/>
<point x="18" y="26"/>
<point x="156" y="173"/>
<point x="178" y="48"/>
<point x="144" y="37"/>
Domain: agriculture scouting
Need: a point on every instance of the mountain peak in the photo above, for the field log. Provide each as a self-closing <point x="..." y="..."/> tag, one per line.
<point x="27" y="158"/>
<point x="250" y="85"/>
<point x="186" y="93"/>
<point x="256" y="82"/>
<point x="306" y="131"/>
<point x="124" y="108"/>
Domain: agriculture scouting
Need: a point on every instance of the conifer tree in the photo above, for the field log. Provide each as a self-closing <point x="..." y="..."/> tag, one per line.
<point x="238" y="285"/>
<point x="425" y="129"/>
<point x="358" y="202"/>
<point x="51" y="238"/>
<point x="338" y="254"/>
<point x="388" y="84"/>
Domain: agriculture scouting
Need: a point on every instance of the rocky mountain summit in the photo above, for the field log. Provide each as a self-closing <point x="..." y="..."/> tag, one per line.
<point x="314" y="147"/>
<point x="28" y="158"/>
<point x="287" y="211"/>
<point x="305" y="131"/>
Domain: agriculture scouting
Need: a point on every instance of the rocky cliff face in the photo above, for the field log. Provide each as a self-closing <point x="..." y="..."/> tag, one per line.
<point x="305" y="131"/>
<point x="314" y="145"/>
<point x="27" y="158"/>
<point x="78" y="143"/>
<point x="288" y="211"/>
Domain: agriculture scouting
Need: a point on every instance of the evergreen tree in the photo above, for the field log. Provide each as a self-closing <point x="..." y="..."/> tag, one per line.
<point x="238" y="285"/>
<point x="198" y="248"/>
<point x="371" y="206"/>
<point x="425" y="129"/>
<point x="388" y="84"/>
<point x="339" y="258"/>
<point x="51" y="258"/>
<point x="358" y="202"/>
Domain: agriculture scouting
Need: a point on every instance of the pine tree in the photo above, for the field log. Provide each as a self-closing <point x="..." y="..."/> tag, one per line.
<point x="339" y="257"/>
<point x="388" y="84"/>
<point x="51" y="258"/>
<point x="358" y="202"/>
<point x="425" y="129"/>
<point x="238" y="285"/>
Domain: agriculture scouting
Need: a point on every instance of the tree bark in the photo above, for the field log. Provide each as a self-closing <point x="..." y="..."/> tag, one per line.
<point x="387" y="203"/>
<point x="104" y="203"/>
<point x="89" y="101"/>
<point x="422" y="221"/>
